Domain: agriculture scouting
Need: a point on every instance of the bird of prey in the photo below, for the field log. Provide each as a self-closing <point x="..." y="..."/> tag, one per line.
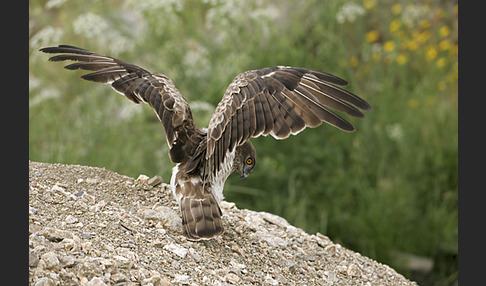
<point x="276" y="100"/>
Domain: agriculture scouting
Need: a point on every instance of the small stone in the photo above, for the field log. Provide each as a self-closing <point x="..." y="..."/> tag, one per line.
<point x="58" y="189"/>
<point x="33" y="259"/>
<point x="101" y="204"/>
<point x="270" y="281"/>
<point x="92" y="181"/>
<point x="227" y="205"/>
<point x="310" y="258"/>
<point x="118" y="277"/>
<point x="236" y="250"/>
<point x="152" y="214"/>
<point x="181" y="279"/>
<point x="158" y="243"/>
<point x="71" y="219"/>
<point x="32" y="210"/>
<point x="50" y="260"/>
<point x="176" y="249"/>
<point x="331" y="276"/>
<point x="44" y="281"/>
<point x="353" y="270"/>
<point x="282" y="279"/>
<point x="121" y="258"/>
<point x="154" y="181"/>
<point x="274" y="219"/>
<point x="330" y="249"/>
<point x="322" y="240"/>
<point x="85" y="235"/>
<point x="79" y="225"/>
<point x="87" y="198"/>
<point x="88" y="269"/>
<point x="232" y="278"/>
<point x="164" y="282"/>
<point x="87" y="246"/>
<point x="98" y="206"/>
<point x="342" y="269"/>
<point x="160" y="230"/>
<point x="154" y="280"/>
<point x="195" y="255"/>
<point x="322" y="236"/>
<point x="96" y="281"/>
<point x="171" y="218"/>
<point x="67" y="261"/>
<point x="166" y="215"/>
<point x="142" y="179"/>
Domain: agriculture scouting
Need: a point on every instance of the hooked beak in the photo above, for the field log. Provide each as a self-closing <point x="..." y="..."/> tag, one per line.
<point x="244" y="175"/>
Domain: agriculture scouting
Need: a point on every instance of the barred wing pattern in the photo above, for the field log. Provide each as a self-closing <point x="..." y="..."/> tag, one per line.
<point x="278" y="101"/>
<point x="139" y="85"/>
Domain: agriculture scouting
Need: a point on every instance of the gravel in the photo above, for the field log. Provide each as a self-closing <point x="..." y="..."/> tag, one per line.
<point x="91" y="226"/>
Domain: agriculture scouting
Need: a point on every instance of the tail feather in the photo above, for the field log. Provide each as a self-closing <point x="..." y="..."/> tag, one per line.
<point x="201" y="217"/>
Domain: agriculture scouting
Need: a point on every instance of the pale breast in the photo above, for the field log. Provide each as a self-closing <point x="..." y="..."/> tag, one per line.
<point x="219" y="178"/>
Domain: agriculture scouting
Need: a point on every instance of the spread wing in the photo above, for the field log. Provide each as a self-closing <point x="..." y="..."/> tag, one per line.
<point x="278" y="101"/>
<point x="139" y="85"/>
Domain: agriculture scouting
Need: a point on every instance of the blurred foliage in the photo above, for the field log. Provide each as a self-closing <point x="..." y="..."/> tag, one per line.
<point x="390" y="186"/>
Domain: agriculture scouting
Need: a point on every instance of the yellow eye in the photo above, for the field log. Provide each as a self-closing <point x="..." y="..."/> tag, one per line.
<point x="249" y="161"/>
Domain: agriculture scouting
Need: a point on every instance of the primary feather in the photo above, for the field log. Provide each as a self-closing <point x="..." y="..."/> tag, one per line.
<point x="279" y="101"/>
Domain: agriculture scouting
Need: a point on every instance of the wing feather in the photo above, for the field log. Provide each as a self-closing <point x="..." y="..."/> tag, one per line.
<point x="279" y="101"/>
<point x="234" y="134"/>
<point x="239" y="126"/>
<point x="259" y="116"/>
<point x="267" y="114"/>
<point x="139" y="85"/>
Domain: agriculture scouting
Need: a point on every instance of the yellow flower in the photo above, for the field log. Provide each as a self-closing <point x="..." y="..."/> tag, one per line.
<point x="353" y="61"/>
<point x="368" y="4"/>
<point x="454" y="49"/>
<point x="376" y="57"/>
<point x="413" y="45"/>
<point x="422" y="37"/>
<point x="430" y="53"/>
<point x="451" y="78"/>
<point x="441" y="62"/>
<point x="444" y="31"/>
<point x="396" y="9"/>
<point x="389" y="46"/>
<point x="402" y="59"/>
<point x="413" y="103"/>
<point x="445" y="45"/>
<point x="394" y="25"/>
<point x="372" y="36"/>
<point x="425" y="23"/>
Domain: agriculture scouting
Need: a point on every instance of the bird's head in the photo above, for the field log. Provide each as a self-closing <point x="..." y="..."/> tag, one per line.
<point x="245" y="159"/>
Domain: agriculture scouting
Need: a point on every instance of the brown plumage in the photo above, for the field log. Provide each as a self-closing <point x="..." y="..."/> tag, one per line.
<point x="277" y="100"/>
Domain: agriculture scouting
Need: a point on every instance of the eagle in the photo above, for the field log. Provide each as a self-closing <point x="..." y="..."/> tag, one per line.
<point x="277" y="101"/>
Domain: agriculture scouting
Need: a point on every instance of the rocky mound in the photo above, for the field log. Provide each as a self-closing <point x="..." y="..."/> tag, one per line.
<point x="91" y="226"/>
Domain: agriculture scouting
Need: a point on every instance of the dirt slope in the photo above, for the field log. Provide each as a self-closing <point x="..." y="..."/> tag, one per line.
<point x="91" y="226"/>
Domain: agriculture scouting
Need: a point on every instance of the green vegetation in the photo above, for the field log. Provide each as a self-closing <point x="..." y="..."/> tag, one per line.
<point x="390" y="187"/>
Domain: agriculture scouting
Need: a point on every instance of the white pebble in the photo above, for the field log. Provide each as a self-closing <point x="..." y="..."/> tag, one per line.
<point x="71" y="219"/>
<point x="176" y="249"/>
<point x="142" y="179"/>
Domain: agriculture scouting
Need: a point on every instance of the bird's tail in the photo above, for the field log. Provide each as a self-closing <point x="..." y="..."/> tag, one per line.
<point x="201" y="217"/>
